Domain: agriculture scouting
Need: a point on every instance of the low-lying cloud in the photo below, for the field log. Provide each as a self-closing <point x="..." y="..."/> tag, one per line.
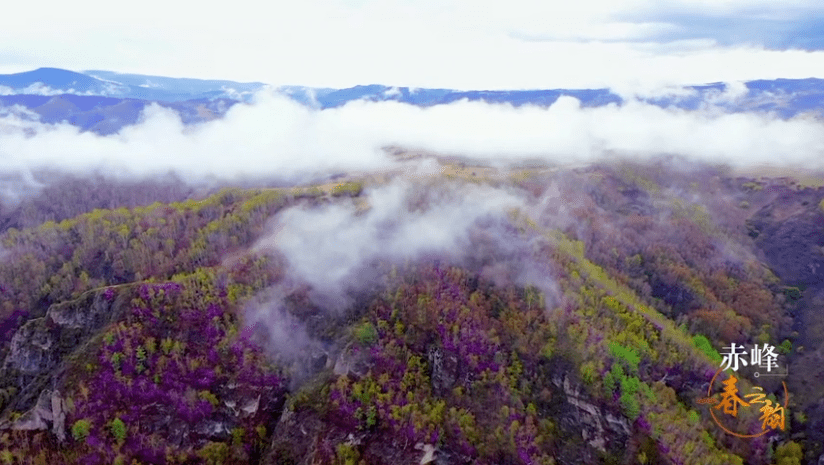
<point x="278" y="138"/>
<point x="340" y="251"/>
<point x="334" y="248"/>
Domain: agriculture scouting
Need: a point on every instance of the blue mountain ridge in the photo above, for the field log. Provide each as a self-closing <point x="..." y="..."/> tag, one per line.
<point x="104" y="101"/>
<point x="107" y="115"/>
<point x="54" y="78"/>
<point x="54" y="81"/>
<point x="166" y="88"/>
<point x="332" y="98"/>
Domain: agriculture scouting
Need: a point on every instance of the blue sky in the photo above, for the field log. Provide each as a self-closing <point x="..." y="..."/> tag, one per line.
<point x="774" y="25"/>
<point x="626" y="44"/>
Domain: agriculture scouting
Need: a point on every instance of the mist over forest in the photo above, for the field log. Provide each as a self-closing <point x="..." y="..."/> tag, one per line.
<point x="384" y="282"/>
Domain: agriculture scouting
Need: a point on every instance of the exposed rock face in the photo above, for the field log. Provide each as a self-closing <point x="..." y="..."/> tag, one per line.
<point x="428" y="452"/>
<point x="600" y="430"/>
<point x="48" y="413"/>
<point x="588" y="430"/>
<point x="445" y="370"/>
<point x="312" y="360"/>
<point x="33" y="348"/>
<point x="237" y="404"/>
<point x="304" y="437"/>
<point x="353" y="360"/>
<point x="40" y="345"/>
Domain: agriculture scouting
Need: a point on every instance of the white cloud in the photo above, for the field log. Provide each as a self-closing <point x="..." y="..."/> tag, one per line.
<point x="392" y="92"/>
<point x="39" y="88"/>
<point x="453" y="44"/>
<point x="18" y="116"/>
<point x="733" y="92"/>
<point x="276" y="137"/>
<point x="640" y="91"/>
<point x="403" y="222"/>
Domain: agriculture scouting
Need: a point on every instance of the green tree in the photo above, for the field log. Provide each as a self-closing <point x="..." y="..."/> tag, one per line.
<point x="366" y="333"/>
<point x="789" y="453"/>
<point x="119" y="430"/>
<point x="214" y="453"/>
<point x="703" y="344"/>
<point x="80" y="429"/>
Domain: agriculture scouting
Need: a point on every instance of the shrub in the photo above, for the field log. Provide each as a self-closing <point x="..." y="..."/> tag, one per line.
<point x="703" y="344"/>
<point x="80" y="429"/>
<point x="346" y="454"/>
<point x="116" y="358"/>
<point x="351" y="189"/>
<point x="119" y="430"/>
<point x="588" y="372"/>
<point x="789" y="453"/>
<point x="546" y="350"/>
<point x="366" y="333"/>
<point x="626" y="354"/>
<point x="609" y="383"/>
<point x="693" y="417"/>
<point x="786" y="347"/>
<point x="214" y="453"/>
<point x="630" y="406"/>
<point x="752" y="186"/>
<point x="261" y="431"/>
<point x="208" y="396"/>
<point x="237" y="436"/>
<point x="792" y="293"/>
<point x="371" y="416"/>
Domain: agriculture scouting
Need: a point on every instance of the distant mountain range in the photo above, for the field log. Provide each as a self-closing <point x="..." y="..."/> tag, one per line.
<point x="54" y="81"/>
<point x="105" y="101"/>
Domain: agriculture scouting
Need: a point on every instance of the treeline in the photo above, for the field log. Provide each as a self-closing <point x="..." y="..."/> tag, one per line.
<point x="55" y="262"/>
<point x="440" y="357"/>
<point x="679" y="240"/>
<point x="471" y="369"/>
<point x="59" y="196"/>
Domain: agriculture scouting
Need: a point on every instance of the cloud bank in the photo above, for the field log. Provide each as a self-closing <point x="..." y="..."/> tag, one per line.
<point x="277" y="138"/>
<point x="334" y="247"/>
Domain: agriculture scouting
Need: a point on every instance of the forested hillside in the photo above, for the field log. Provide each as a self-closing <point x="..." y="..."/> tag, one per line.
<point x="533" y="316"/>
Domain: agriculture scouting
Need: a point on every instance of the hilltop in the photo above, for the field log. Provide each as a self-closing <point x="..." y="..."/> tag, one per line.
<point x="459" y="313"/>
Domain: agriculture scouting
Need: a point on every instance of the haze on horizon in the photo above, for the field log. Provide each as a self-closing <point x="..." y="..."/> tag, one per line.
<point x="637" y="47"/>
<point x="627" y="45"/>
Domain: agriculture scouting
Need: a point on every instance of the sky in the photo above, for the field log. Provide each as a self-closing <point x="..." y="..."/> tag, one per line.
<point x="457" y="44"/>
<point x="635" y="47"/>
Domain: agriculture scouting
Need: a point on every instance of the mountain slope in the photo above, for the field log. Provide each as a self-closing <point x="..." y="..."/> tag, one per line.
<point x="55" y="80"/>
<point x="580" y="326"/>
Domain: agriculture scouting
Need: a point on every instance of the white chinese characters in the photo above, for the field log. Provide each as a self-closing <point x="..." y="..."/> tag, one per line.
<point x="760" y="356"/>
